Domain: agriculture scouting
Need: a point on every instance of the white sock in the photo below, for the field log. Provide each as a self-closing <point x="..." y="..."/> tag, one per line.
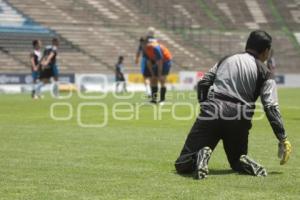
<point x="38" y="88"/>
<point x="148" y="90"/>
<point x="55" y="89"/>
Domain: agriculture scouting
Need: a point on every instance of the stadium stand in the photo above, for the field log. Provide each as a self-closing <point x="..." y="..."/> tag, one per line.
<point x="290" y="12"/>
<point x="9" y="63"/>
<point x="17" y="31"/>
<point x="95" y="32"/>
<point x="224" y="26"/>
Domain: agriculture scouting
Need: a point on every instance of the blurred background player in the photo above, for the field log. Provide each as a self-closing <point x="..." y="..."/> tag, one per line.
<point x="143" y="64"/>
<point x="35" y="58"/>
<point x="144" y="70"/>
<point x="120" y="78"/>
<point x="159" y="62"/>
<point x="271" y="64"/>
<point x="50" y="67"/>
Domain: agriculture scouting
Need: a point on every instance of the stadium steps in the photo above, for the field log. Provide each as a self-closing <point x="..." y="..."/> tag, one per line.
<point x="9" y="64"/>
<point x="103" y="30"/>
<point x="289" y="12"/>
<point x="81" y="29"/>
<point x="187" y="57"/>
<point x="82" y="24"/>
<point x="69" y="63"/>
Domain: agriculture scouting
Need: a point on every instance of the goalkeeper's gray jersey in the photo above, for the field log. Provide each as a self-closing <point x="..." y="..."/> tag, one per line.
<point x="237" y="77"/>
<point x="242" y="78"/>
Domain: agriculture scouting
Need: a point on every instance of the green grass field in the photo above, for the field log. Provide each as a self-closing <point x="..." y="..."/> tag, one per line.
<point x="41" y="158"/>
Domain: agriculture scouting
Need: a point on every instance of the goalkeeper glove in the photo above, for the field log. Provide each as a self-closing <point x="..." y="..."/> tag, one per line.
<point x="284" y="151"/>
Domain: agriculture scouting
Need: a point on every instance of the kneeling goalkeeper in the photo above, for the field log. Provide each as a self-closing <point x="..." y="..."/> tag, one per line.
<point x="227" y="94"/>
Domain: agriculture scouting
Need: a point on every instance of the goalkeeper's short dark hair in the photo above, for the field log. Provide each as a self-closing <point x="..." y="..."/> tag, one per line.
<point x="35" y="43"/>
<point x="259" y="41"/>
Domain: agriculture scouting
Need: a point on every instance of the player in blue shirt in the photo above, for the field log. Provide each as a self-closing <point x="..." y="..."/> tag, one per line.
<point x="49" y="65"/>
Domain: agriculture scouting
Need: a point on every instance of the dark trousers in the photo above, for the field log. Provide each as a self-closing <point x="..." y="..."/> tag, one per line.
<point x="233" y="133"/>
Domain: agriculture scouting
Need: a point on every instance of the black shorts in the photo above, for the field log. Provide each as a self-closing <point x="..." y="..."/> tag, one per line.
<point x="120" y="78"/>
<point x="46" y="73"/>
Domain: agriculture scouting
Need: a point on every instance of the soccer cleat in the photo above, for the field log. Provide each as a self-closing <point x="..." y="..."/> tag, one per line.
<point x="153" y="102"/>
<point x="251" y="167"/>
<point x="202" y="158"/>
<point x="33" y="94"/>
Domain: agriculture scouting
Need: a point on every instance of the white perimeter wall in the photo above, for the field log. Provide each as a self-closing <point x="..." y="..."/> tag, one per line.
<point x="106" y="83"/>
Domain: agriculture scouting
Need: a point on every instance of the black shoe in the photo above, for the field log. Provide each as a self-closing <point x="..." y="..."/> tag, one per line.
<point x="202" y="158"/>
<point x="32" y="93"/>
<point x="153" y="102"/>
<point x="251" y="167"/>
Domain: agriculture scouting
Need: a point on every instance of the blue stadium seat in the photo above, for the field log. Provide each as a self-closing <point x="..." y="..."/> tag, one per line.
<point x="11" y="20"/>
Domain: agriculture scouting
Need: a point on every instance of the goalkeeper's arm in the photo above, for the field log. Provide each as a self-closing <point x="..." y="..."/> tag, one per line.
<point x="207" y="81"/>
<point x="269" y="99"/>
<point x="204" y="84"/>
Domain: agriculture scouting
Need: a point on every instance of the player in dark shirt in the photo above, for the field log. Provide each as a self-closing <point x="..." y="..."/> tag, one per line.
<point x="120" y="78"/>
<point x="35" y="58"/>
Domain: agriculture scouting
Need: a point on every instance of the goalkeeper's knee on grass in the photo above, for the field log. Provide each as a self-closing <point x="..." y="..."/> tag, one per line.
<point x="185" y="164"/>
